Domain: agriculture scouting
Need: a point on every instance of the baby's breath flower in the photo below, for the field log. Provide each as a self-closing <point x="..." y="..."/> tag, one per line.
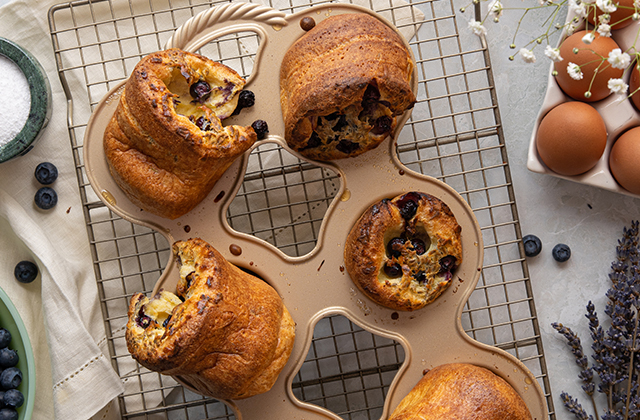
<point x="619" y="59"/>
<point x="617" y="86"/>
<point x="588" y="38"/>
<point x="578" y="9"/>
<point x="527" y="55"/>
<point x="607" y="6"/>
<point x="571" y="29"/>
<point x="574" y="71"/>
<point x="636" y="4"/>
<point x="495" y="8"/>
<point x="604" y="29"/>
<point x="553" y="53"/>
<point x="477" y="27"/>
<point x="604" y="18"/>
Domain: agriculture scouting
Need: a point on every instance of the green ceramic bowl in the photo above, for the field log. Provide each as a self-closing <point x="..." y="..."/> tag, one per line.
<point x="40" y="110"/>
<point x="11" y="321"/>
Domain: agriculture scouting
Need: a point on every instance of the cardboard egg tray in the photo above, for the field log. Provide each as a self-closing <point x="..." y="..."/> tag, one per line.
<point x="618" y="118"/>
<point x="316" y="285"/>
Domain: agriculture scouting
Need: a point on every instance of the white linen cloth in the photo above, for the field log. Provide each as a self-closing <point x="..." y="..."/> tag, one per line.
<point x="61" y="309"/>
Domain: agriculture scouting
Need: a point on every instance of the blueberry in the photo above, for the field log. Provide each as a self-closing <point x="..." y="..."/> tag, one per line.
<point x="203" y="124"/>
<point x="46" y="173"/>
<point x="382" y="125"/>
<point x="394" y="247"/>
<point x="418" y="246"/>
<point x="447" y="263"/>
<point x="347" y="147"/>
<point x="561" y="252"/>
<point x="261" y="128"/>
<point x="393" y="270"/>
<point x="246" y="99"/>
<point x="10" y="378"/>
<point x="5" y="338"/>
<point x="46" y="198"/>
<point x="408" y="205"/>
<point x="8" y="414"/>
<point x="200" y="91"/>
<point x="532" y="245"/>
<point x="25" y="272"/>
<point x="13" y="398"/>
<point x="421" y="277"/>
<point x="8" y="357"/>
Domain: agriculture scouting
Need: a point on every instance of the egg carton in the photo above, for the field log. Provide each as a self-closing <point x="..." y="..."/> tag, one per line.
<point x="316" y="285"/>
<point x="618" y="116"/>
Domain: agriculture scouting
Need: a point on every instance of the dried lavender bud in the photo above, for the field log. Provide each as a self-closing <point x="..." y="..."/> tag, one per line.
<point x="573" y="407"/>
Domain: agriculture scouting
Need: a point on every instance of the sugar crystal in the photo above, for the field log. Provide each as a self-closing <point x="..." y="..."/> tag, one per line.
<point x="16" y="101"/>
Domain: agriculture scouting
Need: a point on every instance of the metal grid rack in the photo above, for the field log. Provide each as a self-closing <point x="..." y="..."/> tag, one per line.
<point x="454" y="135"/>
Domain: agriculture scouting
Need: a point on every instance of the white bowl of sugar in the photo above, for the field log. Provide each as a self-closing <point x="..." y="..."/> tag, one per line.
<point x="26" y="106"/>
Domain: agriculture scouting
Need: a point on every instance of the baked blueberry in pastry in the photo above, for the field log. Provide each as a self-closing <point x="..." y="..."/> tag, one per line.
<point x="342" y="86"/>
<point x="166" y="146"/>
<point x="402" y="252"/>
<point x="223" y="333"/>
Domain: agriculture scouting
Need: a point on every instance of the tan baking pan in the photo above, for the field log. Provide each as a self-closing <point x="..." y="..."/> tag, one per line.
<point x="316" y="285"/>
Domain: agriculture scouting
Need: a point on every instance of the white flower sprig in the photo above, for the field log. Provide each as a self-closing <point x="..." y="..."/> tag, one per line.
<point x="619" y="59"/>
<point x="578" y="11"/>
<point x="574" y="71"/>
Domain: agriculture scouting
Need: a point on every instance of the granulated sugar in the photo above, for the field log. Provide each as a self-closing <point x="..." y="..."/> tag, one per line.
<point x="16" y="100"/>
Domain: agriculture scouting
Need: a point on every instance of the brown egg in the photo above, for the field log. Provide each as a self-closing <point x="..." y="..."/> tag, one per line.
<point x="571" y="138"/>
<point x="634" y="84"/>
<point x="619" y="19"/>
<point x="589" y="58"/>
<point x="624" y="160"/>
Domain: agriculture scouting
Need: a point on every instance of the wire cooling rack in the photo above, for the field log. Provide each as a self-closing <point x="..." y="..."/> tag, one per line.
<point x="454" y="135"/>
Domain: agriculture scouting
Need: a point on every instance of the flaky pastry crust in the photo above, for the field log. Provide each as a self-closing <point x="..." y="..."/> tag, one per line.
<point x="342" y="85"/>
<point x="402" y="251"/>
<point x="224" y="333"/>
<point x="460" y="391"/>
<point x="166" y="146"/>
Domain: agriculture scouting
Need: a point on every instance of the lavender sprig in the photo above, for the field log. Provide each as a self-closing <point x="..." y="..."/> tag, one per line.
<point x="574" y="407"/>
<point x="614" y="349"/>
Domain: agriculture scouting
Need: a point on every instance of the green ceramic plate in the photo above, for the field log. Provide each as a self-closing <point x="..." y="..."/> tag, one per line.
<point x="40" y="110"/>
<point x="11" y="321"/>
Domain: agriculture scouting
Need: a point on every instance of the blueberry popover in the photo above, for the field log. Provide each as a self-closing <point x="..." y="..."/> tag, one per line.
<point x="166" y="146"/>
<point x="402" y="251"/>
<point x="342" y="86"/>
<point x="461" y="391"/>
<point x="224" y="333"/>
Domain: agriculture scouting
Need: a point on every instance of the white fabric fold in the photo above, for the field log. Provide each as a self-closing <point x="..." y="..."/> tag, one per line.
<point x="79" y="367"/>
